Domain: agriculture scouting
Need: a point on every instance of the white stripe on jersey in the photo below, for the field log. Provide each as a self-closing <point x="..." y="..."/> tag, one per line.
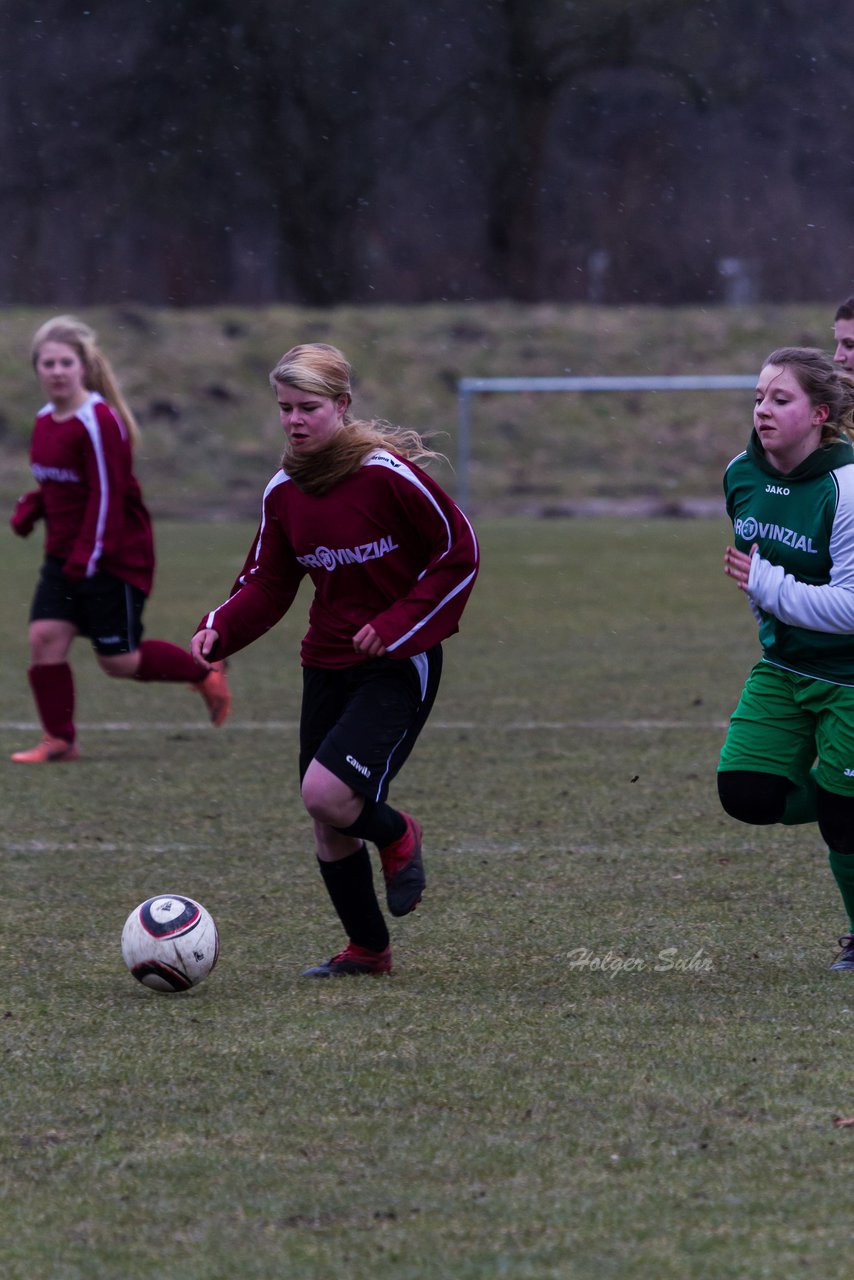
<point x="461" y="586"/>
<point x="87" y="416"/>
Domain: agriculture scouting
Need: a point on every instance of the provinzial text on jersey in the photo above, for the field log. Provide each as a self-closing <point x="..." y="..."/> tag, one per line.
<point x="750" y="529"/>
<point x="63" y="474"/>
<point x="326" y="558"/>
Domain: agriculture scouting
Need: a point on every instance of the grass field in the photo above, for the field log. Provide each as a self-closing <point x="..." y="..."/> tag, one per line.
<point x="611" y="1046"/>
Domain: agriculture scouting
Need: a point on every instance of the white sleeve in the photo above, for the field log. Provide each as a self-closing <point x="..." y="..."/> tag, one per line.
<point x="828" y="607"/>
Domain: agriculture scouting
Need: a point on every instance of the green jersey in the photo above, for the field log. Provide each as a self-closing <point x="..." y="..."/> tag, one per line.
<point x="801" y="584"/>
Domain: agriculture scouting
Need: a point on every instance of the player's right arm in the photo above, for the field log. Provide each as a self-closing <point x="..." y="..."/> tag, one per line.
<point x="261" y="596"/>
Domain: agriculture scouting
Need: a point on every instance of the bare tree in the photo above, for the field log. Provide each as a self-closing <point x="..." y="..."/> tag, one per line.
<point x="201" y="151"/>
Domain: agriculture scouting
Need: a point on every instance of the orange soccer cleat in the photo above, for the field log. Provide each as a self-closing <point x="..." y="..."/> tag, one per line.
<point x="49" y="751"/>
<point x="216" y="693"/>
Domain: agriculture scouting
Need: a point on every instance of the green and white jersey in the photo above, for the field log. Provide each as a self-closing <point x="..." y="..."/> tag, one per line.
<point x="801" y="584"/>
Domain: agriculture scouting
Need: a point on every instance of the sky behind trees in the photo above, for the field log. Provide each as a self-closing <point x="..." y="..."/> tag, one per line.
<point x="192" y="152"/>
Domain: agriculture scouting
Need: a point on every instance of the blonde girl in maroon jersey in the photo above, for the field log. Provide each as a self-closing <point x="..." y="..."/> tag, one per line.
<point x="99" y="550"/>
<point x="392" y="560"/>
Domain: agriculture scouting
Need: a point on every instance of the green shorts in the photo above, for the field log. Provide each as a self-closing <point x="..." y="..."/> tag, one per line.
<point x="784" y="721"/>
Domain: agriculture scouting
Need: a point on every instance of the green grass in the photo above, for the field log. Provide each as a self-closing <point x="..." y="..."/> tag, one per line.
<point x="198" y="380"/>
<point x="494" y="1108"/>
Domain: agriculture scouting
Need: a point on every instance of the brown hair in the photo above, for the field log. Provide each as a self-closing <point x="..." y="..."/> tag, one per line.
<point x="824" y="383"/>
<point x="98" y="373"/>
<point x="845" y="310"/>
<point x="323" y="370"/>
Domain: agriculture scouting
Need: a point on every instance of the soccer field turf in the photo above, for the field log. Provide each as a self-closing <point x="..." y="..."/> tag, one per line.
<point x="611" y="1045"/>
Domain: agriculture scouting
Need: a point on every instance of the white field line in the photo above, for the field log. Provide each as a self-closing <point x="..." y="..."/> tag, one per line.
<point x="75" y="846"/>
<point x="489" y="847"/>
<point x="290" y="726"/>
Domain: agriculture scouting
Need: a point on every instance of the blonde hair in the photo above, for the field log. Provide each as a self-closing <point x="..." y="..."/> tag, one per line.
<point x="323" y="370"/>
<point x="823" y="383"/>
<point x="98" y="373"/>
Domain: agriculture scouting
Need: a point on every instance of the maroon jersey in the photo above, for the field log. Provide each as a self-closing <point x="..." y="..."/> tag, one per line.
<point x="89" y="497"/>
<point x="386" y="546"/>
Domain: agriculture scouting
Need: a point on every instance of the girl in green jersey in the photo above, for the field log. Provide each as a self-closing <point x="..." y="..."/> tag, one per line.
<point x="789" y="753"/>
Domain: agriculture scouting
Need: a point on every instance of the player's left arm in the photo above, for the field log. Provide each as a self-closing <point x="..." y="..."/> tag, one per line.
<point x="818" y="607"/>
<point x="367" y="641"/>
<point x="430" y="611"/>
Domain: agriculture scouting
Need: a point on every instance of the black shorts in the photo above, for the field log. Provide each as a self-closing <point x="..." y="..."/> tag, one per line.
<point x="103" y="608"/>
<point x="362" y="722"/>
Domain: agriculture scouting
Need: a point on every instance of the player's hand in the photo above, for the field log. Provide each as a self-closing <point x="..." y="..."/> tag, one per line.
<point x="368" y="642"/>
<point x="737" y="565"/>
<point x="202" y="645"/>
<point x="28" y="509"/>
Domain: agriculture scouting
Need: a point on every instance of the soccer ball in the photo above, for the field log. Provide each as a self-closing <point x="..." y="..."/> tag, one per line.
<point x="170" y="942"/>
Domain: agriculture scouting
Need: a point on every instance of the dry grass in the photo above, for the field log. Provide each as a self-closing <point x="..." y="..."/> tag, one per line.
<point x="198" y="380"/>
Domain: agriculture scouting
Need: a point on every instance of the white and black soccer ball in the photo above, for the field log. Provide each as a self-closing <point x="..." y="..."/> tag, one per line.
<point x="170" y="942"/>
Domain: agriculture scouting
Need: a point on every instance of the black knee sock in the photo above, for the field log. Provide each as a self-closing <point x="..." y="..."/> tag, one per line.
<point x="378" y="823"/>
<point x="350" y="884"/>
<point x="842" y="866"/>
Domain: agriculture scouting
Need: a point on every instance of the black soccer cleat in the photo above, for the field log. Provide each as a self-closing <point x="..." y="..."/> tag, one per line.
<point x="845" y="960"/>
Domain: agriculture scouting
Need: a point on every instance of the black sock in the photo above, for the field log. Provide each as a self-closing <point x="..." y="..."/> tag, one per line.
<point x="378" y="823"/>
<point x="350" y="884"/>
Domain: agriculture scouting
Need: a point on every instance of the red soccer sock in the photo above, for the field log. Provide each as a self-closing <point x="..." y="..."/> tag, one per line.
<point x="53" y="690"/>
<point x="160" y="660"/>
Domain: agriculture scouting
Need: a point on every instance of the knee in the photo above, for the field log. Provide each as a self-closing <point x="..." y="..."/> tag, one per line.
<point x="327" y="799"/>
<point x="49" y="642"/>
<point x="835" y="815"/>
<point x="757" y="798"/>
<point x="119" y="666"/>
<point x="322" y="802"/>
<point x="41" y="653"/>
<point x="317" y="806"/>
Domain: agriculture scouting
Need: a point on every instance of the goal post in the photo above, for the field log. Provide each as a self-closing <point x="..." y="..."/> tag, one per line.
<point x="467" y="388"/>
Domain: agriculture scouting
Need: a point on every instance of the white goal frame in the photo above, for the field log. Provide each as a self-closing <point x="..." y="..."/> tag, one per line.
<point x="469" y="387"/>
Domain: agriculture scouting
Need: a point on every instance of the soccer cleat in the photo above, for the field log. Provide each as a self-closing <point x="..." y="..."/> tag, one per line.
<point x="49" y="751"/>
<point x="845" y="960"/>
<point x="403" y="870"/>
<point x="352" y="960"/>
<point x="216" y="693"/>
